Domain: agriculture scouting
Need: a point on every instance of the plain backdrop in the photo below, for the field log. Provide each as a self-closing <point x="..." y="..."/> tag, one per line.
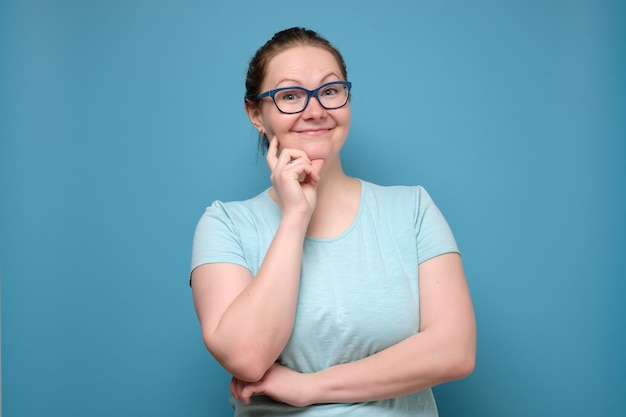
<point x="120" y="121"/>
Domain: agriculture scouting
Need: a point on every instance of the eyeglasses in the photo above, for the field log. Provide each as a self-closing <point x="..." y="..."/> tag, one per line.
<point x="291" y="100"/>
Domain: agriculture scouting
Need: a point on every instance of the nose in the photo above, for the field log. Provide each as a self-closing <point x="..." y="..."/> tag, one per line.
<point x="313" y="109"/>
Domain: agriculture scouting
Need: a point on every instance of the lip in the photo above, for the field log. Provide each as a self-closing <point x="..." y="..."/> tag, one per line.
<point x="314" y="131"/>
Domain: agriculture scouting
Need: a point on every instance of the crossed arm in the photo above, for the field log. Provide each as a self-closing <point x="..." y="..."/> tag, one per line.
<point x="246" y="333"/>
<point x="247" y="322"/>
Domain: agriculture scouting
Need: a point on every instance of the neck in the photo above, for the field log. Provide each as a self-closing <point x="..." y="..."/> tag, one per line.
<point x="333" y="182"/>
<point x="338" y="197"/>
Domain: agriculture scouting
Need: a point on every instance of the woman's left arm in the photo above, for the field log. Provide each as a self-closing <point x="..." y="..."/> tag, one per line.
<point x="443" y="350"/>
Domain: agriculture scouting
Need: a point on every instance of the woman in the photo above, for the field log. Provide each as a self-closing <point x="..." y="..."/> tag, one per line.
<point x="327" y="295"/>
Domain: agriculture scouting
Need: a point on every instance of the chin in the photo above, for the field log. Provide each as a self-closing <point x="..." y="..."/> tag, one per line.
<point x="320" y="152"/>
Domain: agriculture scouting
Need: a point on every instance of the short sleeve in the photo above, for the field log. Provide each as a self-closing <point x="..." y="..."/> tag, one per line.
<point x="433" y="234"/>
<point x="216" y="238"/>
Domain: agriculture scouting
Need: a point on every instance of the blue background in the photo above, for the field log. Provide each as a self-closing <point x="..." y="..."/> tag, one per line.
<point x="121" y="120"/>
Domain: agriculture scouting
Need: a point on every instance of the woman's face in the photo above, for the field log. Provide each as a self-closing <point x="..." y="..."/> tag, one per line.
<point x="320" y="133"/>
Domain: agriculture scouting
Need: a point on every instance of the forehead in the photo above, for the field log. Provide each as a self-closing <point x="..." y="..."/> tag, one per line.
<point x="304" y="64"/>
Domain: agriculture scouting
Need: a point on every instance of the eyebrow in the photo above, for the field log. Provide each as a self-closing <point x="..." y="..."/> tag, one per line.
<point x="298" y="83"/>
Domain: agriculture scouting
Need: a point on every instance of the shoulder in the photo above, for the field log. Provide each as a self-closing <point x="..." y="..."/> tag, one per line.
<point x="414" y="197"/>
<point x="239" y="219"/>
<point x="243" y="210"/>
<point x="224" y="227"/>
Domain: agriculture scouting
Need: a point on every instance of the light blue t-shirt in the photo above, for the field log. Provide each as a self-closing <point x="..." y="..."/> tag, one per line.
<point x="358" y="291"/>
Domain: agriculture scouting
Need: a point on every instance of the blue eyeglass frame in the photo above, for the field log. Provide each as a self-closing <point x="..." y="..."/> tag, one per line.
<point x="309" y="94"/>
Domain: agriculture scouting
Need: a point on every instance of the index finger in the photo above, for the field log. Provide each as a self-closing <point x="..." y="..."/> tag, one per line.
<point x="272" y="151"/>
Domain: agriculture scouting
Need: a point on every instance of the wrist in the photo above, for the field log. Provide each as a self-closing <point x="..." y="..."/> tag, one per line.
<point x="296" y="220"/>
<point x="314" y="391"/>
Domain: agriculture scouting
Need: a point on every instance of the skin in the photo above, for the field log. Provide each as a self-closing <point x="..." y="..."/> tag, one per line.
<point x="312" y="139"/>
<point x="317" y="132"/>
<point x="246" y="334"/>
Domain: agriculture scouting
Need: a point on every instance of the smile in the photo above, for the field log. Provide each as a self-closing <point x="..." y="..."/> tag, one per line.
<point x="314" y="132"/>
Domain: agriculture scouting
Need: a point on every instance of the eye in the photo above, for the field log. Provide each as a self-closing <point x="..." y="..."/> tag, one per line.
<point x="331" y="90"/>
<point x="290" y="95"/>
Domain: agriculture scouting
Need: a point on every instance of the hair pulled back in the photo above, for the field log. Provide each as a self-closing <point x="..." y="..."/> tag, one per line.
<point x="281" y="41"/>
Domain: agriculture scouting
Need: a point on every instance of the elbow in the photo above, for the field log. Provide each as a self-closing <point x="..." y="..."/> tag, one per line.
<point x="460" y="365"/>
<point x="460" y="356"/>
<point x="465" y="366"/>
<point x="243" y="363"/>
<point x="246" y="370"/>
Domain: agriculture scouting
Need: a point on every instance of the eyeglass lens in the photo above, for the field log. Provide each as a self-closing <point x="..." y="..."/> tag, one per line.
<point x="294" y="100"/>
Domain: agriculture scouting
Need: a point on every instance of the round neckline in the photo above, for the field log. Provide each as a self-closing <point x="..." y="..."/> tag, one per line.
<point x="340" y="235"/>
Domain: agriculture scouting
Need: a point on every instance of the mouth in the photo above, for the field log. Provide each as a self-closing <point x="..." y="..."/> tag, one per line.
<point x="314" y="132"/>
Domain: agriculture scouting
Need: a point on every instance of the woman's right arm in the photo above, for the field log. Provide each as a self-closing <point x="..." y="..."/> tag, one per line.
<point x="247" y="322"/>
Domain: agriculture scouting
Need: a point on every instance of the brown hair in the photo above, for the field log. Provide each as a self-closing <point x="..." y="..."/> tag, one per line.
<point x="285" y="39"/>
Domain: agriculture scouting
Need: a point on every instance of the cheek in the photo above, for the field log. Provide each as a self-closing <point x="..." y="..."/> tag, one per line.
<point x="343" y="120"/>
<point x="346" y="115"/>
<point x="278" y="123"/>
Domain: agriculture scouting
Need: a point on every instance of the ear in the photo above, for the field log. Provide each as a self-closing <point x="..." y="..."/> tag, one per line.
<point x="254" y="114"/>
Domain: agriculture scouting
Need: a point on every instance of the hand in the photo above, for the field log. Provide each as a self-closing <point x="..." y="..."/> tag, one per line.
<point x="294" y="177"/>
<point x="279" y="383"/>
